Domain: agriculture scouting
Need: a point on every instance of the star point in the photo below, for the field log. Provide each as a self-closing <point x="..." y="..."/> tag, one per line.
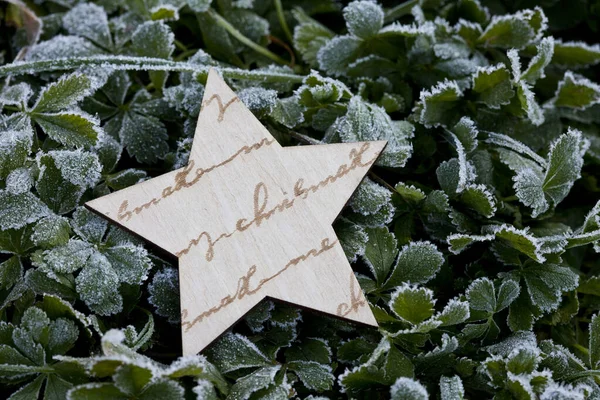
<point x="249" y="219"/>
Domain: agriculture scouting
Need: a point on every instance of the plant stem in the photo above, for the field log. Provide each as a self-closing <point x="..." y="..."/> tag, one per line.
<point x="239" y="36"/>
<point x="138" y="63"/>
<point x="180" y="45"/>
<point x="283" y="22"/>
<point x="400" y="10"/>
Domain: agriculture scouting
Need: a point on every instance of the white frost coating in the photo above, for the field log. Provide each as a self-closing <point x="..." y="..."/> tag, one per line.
<point x="172" y="9"/>
<point x="532" y="108"/>
<point x="204" y="390"/>
<point x="461" y="236"/>
<point x="595" y="48"/>
<point x="537" y="65"/>
<point x="472" y="26"/>
<point x="451" y="388"/>
<point x="89" y="21"/>
<point x="382" y="348"/>
<point x="524" y="381"/>
<point x="561" y="391"/>
<point x="515" y="63"/>
<point x="499" y="139"/>
<point x="577" y="80"/>
<point x="441" y="88"/>
<point x="79" y="167"/>
<point x="363" y="18"/>
<point x="525" y="16"/>
<point x="409" y="289"/>
<point x="491" y="199"/>
<point x="19" y="181"/>
<point x="61" y="47"/>
<point x="455" y="312"/>
<point x="407" y="388"/>
<point x="258" y="99"/>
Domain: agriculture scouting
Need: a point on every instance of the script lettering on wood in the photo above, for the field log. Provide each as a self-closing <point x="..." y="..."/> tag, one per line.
<point x="248" y="219"/>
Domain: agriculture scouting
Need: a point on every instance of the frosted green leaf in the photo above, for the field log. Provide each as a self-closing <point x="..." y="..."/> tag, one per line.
<point x="62" y="335"/>
<point x="62" y="47"/>
<point x="144" y="137"/>
<point x="199" y="5"/>
<point x="63" y="93"/>
<point x="19" y="210"/>
<point x="366" y="122"/>
<point x="154" y="39"/>
<point x="97" y="285"/>
<point x="59" y="194"/>
<point x="458" y="242"/>
<point x="546" y="284"/>
<point x="450" y="175"/>
<point x="14" y="149"/>
<point x="51" y="231"/>
<point x="575" y="54"/>
<point x="594" y="347"/>
<point x="96" y="390"/>
<point x="576" y="92"/>
<point x="11" y="271"/>
<point x="130" y="262"/>
<point x="314" y="376"/>
<point x="311" y="349"/>
<point x="260" y="101"/>
<point x="317" y="90"/>
<point x="482" y="295"/>
<point x="535" y="70"/>
<point x="439" y="104"/>
<point x="309" y="36"/>
<point x="234" y="351"/>
<point x="89" y="21"/>
<point x="412" y="304"/>
<point x="19" y="181"/>
<point x="455" y="312"/>
<point x="69" y="257"/>
<point x="71" y="128"/>
<point x="514" y="31"/>
<point x="380" y="252"/>
<point x="408" y="389"/>
<point x="363" y="18"/>
<point x="78" y="167"/>
<point x="528" y="104"/>
<point x="131" y="379"/>
<point x="451" y="388"/>
<point x="399" y="30"/>
<point x="507" y="293"/>
<point x="530" y="160"/>
<point x="369" y="198"/>
<point x="466" y="132"/>
<point x="288" y="112"/>
<point x="523" y="360"/>
<point x="30" y="390"/>
<point x="335" y="56"/>
<point x="125" y="178"/>
<point x="353" y="238"/>
<point x="410" y="193"/>
<point x="478" y="198"/>
<point x="253" y="382"/>
<point x="164" y="12"/>
<point x="521" y="240"/>
<point x="16" y="95"/>
<point x="89" y="225"/>
<point x="528" y="187"/>
<point x="418" y="262"/>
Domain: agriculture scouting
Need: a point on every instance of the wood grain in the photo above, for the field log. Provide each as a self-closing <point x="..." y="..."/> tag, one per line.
<point x="249" y="219"/>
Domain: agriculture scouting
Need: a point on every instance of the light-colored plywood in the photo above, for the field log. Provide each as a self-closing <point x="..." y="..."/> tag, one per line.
<point x="249" y="219"/>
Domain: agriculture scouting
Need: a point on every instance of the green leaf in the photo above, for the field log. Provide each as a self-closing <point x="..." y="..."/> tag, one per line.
<point x="493" y="86"/>
<point x="528" y="104"/>
<point x="137" y="130"/>
<point x="309" y="36"/>
<point x="514" y="31"/>
<point x="97" y="284"/>
<point x="11" y="271"/>
<point x="335" y="56"/>
<point x="62" y="335"/>
<point x="314" y="376"/>
<point x="199" y="6"/>
<point x="507" y="293"/>
<point x="535" y="70"/>
<point x="576" y="92"/>
<point x="89" y="21"/>
<point x="164" y="290"/>
<point x="408" y="389"/>
<point x="455" y="312"/>
<point x="546" y="284"/>
<point x="439" y="104"/>
<point x="482" y="295"/>
<point x="154" y="39"/>
<point x="63" y="93"/>
<point x="478" y="198"/>
<point x="575" y="54"/>
<point x="253" y="382"/>
<point x="56" y="388"/>
<point x="96" y="391"/>
<point x="19" y="210"/>
<point x="412" y="304"/>
<point x="363" y="18"/>
<point x="380" y="252"/>
<point x="594" y="347"/>
<point x="418" y="262"/>
<point x="451" y="388"/>
<point x="288" y="112"/>
<point x="51" y="231"/>
<point x="70" y="128"/>
<point x="30" y="390"/>
<point x="234" y="351"/>
<point x="14" y="149"/>
<point x="131" y="379"/>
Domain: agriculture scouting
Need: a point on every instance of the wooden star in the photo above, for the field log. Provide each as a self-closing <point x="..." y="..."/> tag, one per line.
<point x="249" y="219"/>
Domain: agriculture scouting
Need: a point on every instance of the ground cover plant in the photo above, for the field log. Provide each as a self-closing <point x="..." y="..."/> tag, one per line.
<point x="475" y="238"/>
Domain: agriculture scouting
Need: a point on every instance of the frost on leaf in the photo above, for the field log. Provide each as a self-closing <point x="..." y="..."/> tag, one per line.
<point x="516" y="30"/>
<point x="97" y="284"/>
<point x="260" y="101"/>
<point x="89" y="21"/>
<point x="63" y="93"/>
<point x="408" y="389"/>
<point x="380" y="252"/>
<point x="19" y="181"/>
<point x="337" y="53"/>
<point x="576" y="92"/>
<point x="451" y="388"/>
<point x="575" y="54"/>
<point x="363" y="18"/>
<point x="546" y="284"/>
<point x="439" y="104"/>
<point x="62" y="47"/>
<point x="309" y="36"/>
<point x="19" y="210"/>
<point x="14" y="149"/>
<point x="234" y="351"/>
<point x="366" y="122"/>
<point x="164" y="290"/>
<point x="412" y="304"/>
<point x="535" y="70"/>
<point x="253" y="382"/>
<point x="353" y="238"/>
<point x="417" y="262"/>
<point x="154" y="39"/>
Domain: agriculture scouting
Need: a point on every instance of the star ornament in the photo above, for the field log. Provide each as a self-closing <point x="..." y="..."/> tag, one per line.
<point x="249" y="219"/>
